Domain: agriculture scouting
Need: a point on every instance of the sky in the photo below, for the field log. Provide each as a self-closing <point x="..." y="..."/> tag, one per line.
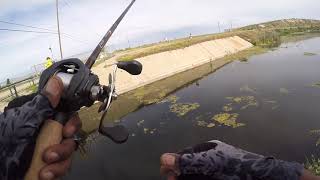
<point x="84" y="22"/>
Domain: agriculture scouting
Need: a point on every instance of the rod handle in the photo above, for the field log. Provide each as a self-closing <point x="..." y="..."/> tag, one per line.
<point x="50" y="134"/>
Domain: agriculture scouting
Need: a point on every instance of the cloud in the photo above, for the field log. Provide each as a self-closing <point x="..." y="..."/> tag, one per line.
<point x="87" y="21"/>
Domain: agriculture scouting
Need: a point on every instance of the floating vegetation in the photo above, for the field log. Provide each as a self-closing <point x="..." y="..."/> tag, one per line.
<point x="205" y="124"/>
<point x="246" y="88"/>
<point x="309" y="54"/>
<point x="140" y="123"/>
<point x="202" y="123"/>
<point x="284" y="91"/>
<point x="152" y="100"/>
<point x="152" y="131"/>
<point x="172" y="99"/>
<point x="317" y="84"/>
<point x="237" y="99"/>
<point x="182" y="109"/>
<point x="313" y="165"/>
<point x="316" y="132"/>
<point x="145" y="130"/>
<point x="245" y="100"/>
<point x="144" y="96"/>
<point x="211" y="125"/>
<point x="149" y="131"/>
<point x="228" y="119"/>
<point x="227" y="107"/>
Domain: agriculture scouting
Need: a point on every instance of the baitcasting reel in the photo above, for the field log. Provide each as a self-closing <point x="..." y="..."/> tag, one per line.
<point x="82" y="89"/>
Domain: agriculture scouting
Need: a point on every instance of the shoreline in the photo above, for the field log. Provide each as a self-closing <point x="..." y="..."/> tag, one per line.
<point x="158" y="90"/>
<point x="165" y="64"/>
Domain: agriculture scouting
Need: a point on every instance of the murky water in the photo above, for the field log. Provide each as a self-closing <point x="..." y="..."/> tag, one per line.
<point x="284" y="107"/>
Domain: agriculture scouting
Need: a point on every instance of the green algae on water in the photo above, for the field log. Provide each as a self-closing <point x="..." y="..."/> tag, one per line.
<point x="149" y="131"/>
<point x="205" y="124"/>
<point x="171" y="99"/>
<point x="182" y="109"/>
<point x="146" y="97"/>
<point x="309" y="54"/>
<point x="227" y="107"/>
<point x="316" y="132"/>
<point x="313" y="165"/>
<point x="228" y="119"/>
<point x="202" y="123"/>
<point x="246" y="101"/>
<point x="145" y="130"/>
<point x="211" y="125"/>
<point x="317" y="84"/>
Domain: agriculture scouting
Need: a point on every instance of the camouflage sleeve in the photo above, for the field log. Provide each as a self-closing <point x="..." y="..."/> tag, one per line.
<point x="221" y="161"/>
<point x="18" y="131"/>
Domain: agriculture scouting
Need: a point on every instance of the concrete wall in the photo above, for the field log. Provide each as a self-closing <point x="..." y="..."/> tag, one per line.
<point x="165" y="64"/>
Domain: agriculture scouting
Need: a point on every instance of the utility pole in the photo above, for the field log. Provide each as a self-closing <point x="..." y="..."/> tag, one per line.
<point x="57" y="7"/>
<point x="219" y="26"/>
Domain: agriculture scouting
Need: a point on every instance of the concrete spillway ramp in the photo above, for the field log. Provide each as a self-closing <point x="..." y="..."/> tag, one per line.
<point x="165" y="64"/>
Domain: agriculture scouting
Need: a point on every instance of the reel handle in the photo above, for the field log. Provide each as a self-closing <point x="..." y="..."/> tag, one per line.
<point x="132" y="67"/>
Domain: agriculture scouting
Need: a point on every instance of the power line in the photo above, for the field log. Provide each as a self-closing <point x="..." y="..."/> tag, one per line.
<point x="20" y="30"/>
<point x="40" y="28"/>
<point x="17" y="24"/>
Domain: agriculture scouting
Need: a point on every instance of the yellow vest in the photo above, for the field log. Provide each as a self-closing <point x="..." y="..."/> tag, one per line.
<point x="48" y="63"/>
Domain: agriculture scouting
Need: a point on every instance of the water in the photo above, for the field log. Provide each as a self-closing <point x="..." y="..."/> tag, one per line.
<point x="280" y="81"/>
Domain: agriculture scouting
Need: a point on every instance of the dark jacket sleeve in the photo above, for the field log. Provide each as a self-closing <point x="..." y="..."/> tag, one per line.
<point x="19" y="128"/>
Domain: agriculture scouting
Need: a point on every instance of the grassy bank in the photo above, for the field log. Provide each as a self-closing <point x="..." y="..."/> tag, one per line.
<point x="264" y="35"/>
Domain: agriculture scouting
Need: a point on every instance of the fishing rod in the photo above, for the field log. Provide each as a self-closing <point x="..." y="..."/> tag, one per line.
<point x="93" y="57"/>
<point x="81" y="89"/>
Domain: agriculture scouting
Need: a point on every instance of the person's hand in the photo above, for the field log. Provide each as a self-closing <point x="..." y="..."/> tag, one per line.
<point x="58" y="157"/>
<point x="217" y="160"/>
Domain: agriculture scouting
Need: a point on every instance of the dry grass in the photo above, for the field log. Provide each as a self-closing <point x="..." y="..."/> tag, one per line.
<point x="269" y="36"/>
